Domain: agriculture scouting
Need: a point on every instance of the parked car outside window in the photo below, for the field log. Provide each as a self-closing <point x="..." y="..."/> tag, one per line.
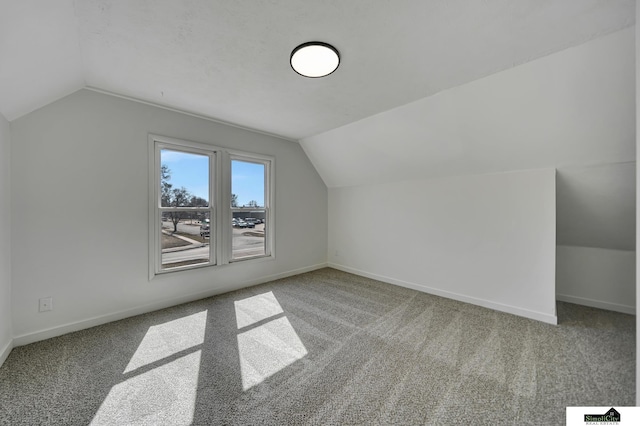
<point x="205" y="228"/>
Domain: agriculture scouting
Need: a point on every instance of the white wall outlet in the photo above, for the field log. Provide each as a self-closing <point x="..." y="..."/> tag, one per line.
<point x="337" y="253"/>
<point x="46" y="304"/>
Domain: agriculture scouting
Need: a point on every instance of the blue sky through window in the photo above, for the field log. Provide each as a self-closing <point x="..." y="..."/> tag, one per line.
<point x="192" y="172"/>
<point x="247" y="182"/>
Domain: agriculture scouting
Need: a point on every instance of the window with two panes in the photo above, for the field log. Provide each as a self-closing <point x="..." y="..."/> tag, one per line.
<point x="196" y="222"/>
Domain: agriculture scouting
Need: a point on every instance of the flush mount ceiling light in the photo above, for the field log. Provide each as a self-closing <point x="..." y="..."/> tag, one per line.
<point x="315" y="59"/>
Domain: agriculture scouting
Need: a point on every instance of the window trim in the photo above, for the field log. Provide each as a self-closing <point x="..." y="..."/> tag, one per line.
<point x="219" y="198"/>
<point x="268" y="201"/>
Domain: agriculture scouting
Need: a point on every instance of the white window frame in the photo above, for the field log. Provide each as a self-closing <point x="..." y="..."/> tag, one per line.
<point x="220" y="211"/>
<point x="268" y="201"/>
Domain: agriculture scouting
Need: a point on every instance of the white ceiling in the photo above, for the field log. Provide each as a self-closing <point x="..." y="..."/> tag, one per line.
<point x="229" y="59"/>
<point x="573" y="107"/>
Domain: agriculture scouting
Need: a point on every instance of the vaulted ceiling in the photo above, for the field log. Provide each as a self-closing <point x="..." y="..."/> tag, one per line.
<point x="229" y="60"/>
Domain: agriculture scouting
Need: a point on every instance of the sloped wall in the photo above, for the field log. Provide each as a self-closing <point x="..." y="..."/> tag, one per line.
<point x="574" y="107"/>
<point x="597" y="206"/>
<point x="570" y="110"/>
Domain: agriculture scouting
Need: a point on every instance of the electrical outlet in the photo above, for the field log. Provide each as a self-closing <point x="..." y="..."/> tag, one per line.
<point x="46" y="304"/>
<point x="337" y="253"/>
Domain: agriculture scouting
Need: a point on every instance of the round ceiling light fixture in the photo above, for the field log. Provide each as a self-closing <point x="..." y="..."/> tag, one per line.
<point x="314" y="59"/>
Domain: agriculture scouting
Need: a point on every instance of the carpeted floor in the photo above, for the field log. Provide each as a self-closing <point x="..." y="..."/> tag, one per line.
<point x="324" y="348"/>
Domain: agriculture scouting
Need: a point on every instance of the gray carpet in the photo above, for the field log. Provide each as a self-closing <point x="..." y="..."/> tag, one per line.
<point x="324" y="348"/>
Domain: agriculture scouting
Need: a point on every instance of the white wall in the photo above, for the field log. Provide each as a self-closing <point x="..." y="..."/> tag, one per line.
<point x="602" y="278"/>
<point x="574" y="107"/>
<point x="596" y="206"/>
<point x="573" y="110"/>
<point x="637" y="81"/>
<point x="6" y="332"/>
<point x="596" y="227"/>
<point x="486" y="239"/>
<point x="80" y="213"/>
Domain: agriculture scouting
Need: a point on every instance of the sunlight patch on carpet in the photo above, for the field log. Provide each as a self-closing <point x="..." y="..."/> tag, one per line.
<point x="170" y="338"/>
<point x="257" y="308"/>
<point x="268" y="348"/>
<point x="164" y="394"/>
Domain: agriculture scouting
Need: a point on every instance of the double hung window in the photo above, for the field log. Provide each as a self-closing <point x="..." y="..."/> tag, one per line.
<point x="250" y="212"/>
<point x="208" y="205"/>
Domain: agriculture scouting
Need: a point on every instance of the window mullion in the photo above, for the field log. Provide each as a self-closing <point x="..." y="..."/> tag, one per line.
<point x="214" y="233"/>
<point x="162" y="189"/>
<point x="224" y="165"/>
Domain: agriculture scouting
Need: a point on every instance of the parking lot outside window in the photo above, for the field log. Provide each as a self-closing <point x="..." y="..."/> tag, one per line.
<point x="191" y="187"/>
<point x="251" y="221"/>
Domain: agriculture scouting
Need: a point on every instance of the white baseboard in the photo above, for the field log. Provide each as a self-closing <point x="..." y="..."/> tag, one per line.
<point x="609" y="306"/>
<point x="538" y="316"/>
<point x="4" y="352"/>
<point x="48" y="333"/>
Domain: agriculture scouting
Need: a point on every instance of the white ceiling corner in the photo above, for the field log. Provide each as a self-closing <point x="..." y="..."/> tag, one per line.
<point x="40" y="58"/>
